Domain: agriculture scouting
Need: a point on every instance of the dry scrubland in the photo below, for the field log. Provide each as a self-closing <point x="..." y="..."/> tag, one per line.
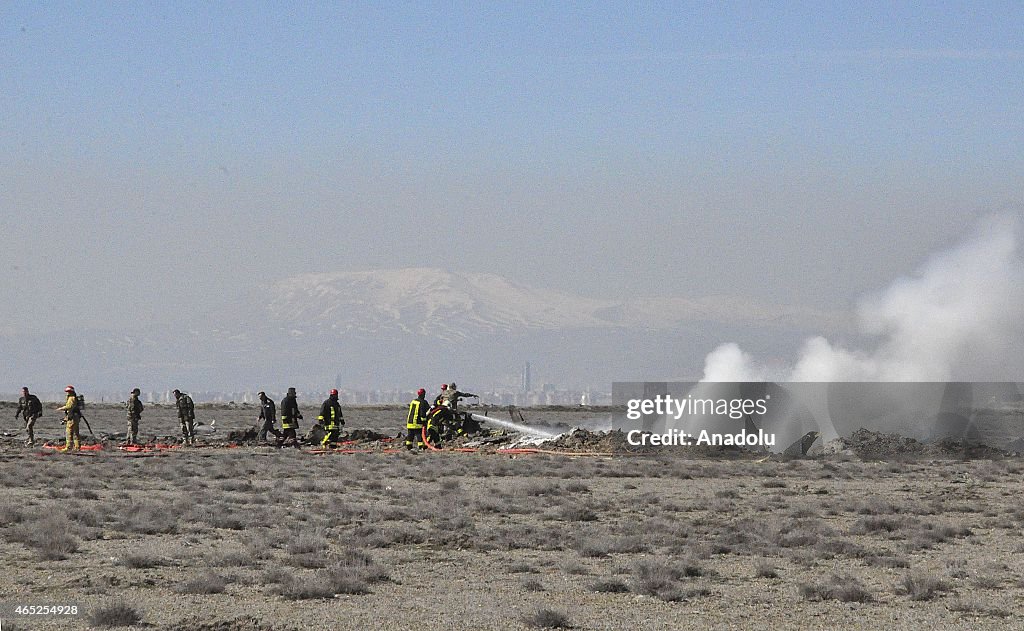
<point x="259" y="538"/>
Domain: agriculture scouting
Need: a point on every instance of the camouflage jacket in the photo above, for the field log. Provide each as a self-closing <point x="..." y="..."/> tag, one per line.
<point x="133" y="407"/>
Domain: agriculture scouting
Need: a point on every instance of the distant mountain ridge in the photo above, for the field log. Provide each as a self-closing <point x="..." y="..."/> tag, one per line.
<point x="423" y="301"/>
<point x="414" y="325"/>
<point x="460" y="306"/>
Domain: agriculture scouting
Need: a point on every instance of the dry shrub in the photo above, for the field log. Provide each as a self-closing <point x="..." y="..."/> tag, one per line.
<point x="395" y="534"/>
<point x="611" y="586"/>
<point x="921" y="586"/>
<point x="874" y="524"/>
<point x="886" y="561"/>
<point x="307" y="543"/>
<point x="149" y="519"/>
<point x="141" y="561"/>
<point x="310" y="561"/>
<point x="51" y="536"/>
<point x="929" y="535"/>
<point x="205" y="584"/>
<point x="547" y="619"/>
<point x="352" y="573"/>
<point x="572" y="512"/>
<point x="763" y="568"/>
<point x="233" y="559"/>
<point x="961" y="604"/>
<point x="661" y="578"/>
<point x="830" y="548"/>
<point x="117" y="614"/>
<point x="842" y="588"/>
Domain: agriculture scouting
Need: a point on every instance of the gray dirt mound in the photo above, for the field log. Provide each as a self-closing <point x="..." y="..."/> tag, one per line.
<point x="579" y="439"/>
<point x="869" y="445"/>
<point x="614" y="441"/>
<point x="963" y="449"/>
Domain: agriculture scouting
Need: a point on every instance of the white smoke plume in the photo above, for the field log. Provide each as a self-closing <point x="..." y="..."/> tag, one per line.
<point x="959" y="318"/>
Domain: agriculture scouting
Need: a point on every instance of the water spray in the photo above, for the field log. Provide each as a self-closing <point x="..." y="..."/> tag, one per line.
<point x="517" y="427"/>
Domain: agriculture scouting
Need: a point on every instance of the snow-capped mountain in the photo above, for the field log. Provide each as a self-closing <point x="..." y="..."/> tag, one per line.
<point x="422" y="301"/>
<point x="461" y="306"/>
<point x="401" y="326"/>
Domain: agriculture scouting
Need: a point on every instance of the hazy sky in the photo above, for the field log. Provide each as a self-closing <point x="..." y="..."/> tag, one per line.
<point x="155" y="156"/>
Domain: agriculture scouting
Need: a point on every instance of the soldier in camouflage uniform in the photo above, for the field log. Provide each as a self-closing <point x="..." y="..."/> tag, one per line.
<point x="187" y="416"/>
<point x="30" y="408"/>
<point x="133" y="408"/>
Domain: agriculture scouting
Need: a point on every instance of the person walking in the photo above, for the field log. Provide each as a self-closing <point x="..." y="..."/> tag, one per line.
<point x="290" y="416"/>
<point x="331" y="419"/>
<point x="30" y="408"/>
<point x="268" y="414"/>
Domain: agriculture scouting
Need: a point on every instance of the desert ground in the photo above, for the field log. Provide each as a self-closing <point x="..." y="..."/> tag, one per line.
<point x="257" y="538"/>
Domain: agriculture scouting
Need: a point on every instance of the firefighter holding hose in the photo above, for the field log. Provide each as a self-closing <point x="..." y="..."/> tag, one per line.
<point x="450" y="399"/>
<point x="435" y="424"/>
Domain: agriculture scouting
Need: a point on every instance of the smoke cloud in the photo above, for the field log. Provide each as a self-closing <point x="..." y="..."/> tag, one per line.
<point x="959" y="318"/>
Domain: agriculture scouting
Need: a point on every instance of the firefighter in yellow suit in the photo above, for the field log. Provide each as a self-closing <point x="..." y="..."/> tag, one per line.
<point x="331" y="419"/>
<point x="72" y="418"/>
<point x="415" y="419"/>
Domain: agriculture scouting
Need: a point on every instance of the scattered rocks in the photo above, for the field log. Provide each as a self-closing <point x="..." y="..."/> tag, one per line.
<point x="870" y="445"/>
<point x="963" y="449"/>
<point x="366" y="434"/>
<point x="243" y="435"/>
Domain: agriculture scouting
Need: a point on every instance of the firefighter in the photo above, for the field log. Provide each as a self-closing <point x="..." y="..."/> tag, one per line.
<point x="435" y="424"/>
<point x="439" y="399"/>
<point x="30" y="408"/>
<point x="450" y="399"/>
<point x="290" y="416"/>
<point x="187" y="417"/>
<point x="415" y="419"/>
<point x="72" y="409"/>
<point x="268" y="414"/>
<point x="331" y="419"/>
<point x="133" y="409"/>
